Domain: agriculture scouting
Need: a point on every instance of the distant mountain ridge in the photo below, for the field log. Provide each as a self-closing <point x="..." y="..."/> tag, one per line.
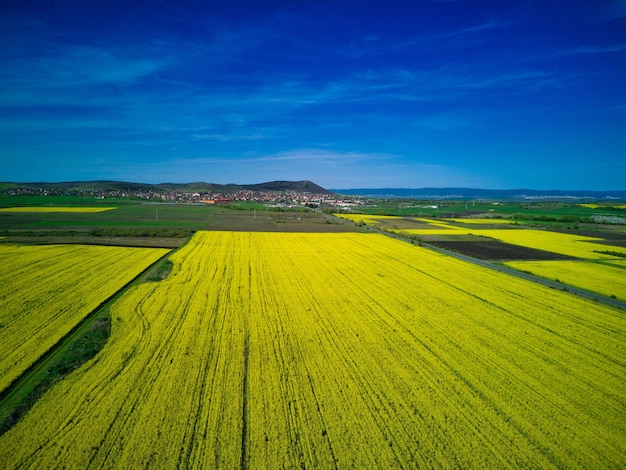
<point x="306" y="186"/>
<point x="473" y="193"/>
<point x="197" y="187"/>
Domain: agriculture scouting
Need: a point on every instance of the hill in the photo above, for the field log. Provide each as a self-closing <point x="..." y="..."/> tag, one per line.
<point x="309" y="187"/>
<point x="197" y="187"/>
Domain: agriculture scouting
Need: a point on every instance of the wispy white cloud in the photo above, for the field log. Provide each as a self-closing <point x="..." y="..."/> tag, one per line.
<point x="520" y="80"/>
<point x="612" y="10"/>
<point x="230" y="137"/>
<point x="326" y="167"/>
<point x="598" y="49"/>
<point x="82" y="65"/>
<point x="617" y="107"/>
<point x="76" y="75"/>
<point x="329" y="168"/>
<point x="373" y="46"/>
<point x="324" y="157"/>
<point x="442" y="84"/>
<point x="272" y="96"/>
<point x="447" y="122"/>
<point x="491" y="25"/>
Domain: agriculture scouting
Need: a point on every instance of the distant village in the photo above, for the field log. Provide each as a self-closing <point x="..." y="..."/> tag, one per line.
<point x="280" y="199"/>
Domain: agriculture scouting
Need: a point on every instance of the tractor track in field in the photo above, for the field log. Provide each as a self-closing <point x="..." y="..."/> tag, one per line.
<point x="244" y="407"/>
<point x="34" y="376"/>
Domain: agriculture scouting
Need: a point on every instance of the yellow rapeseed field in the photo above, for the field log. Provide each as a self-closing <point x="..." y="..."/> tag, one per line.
<point x="601" y="278"/>
<point x="403" y="225"/>
<point x="46" y="290"/>
<point x="443" y="224"/>
<point x="567" y="244"/>
<point x="602" y="206"/>
<point x="481" y="221"/>
<point x="45" y="209"/>
<point x="296" y="350"/>
<point x="365" y="218"/>
<point x="563" y="243"/>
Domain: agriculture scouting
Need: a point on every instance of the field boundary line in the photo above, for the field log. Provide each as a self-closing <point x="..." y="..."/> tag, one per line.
<point x="566" y="288"/>
<point x="47" y="358"/>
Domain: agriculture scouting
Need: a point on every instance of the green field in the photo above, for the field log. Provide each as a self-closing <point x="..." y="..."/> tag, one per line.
<point x="149" y="224"/>
<point x="545" y="212"/>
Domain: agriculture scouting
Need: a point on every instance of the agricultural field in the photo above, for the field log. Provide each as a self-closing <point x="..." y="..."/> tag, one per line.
<point x="481" y="221"/>
<point x="579" y="246"/>
<point x="48" y="210"/>
<point x="495" y="251"/>
<point x="576" y="259"/>
<point x="46" y="290"/>
<point x="150" y="220"/>
<point x="545" y="211"/>
<point x="603" y="206"/>
<point x="606" y="279"/>
<point x="407" y="225"/>
<point x="337" y="350"/>
<point x="566" y="244"/>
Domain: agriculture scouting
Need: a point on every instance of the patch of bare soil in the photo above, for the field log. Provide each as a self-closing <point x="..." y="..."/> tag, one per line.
<point x="498" y="251"/>
<point x="405" y="224"/>
<point x="610" y="236"/>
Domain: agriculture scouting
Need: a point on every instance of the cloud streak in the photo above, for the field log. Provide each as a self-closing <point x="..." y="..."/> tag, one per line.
<point x="291" y="90"/>
<point x="329" y="168"/>
<point x="599" y="49"/>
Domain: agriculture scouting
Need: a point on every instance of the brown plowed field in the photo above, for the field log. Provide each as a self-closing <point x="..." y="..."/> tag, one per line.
<point x="495" y="250"/>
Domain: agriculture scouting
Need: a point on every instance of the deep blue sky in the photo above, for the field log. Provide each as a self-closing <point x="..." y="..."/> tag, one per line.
<point x="493" y="94"/>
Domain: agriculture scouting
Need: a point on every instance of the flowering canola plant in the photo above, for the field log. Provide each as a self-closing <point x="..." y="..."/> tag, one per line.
<point x="605" y="279"/>
<point x="46" y="290"/>
<point x="344" y="350"/>
<point x="366" y="219"/>
<point x="483" y="221"/>
<point x="567" y="244"/>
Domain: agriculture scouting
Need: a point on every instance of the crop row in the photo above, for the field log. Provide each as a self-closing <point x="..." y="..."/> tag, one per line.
<point x="275" y="350"/>
<point x="566" y="244"/>
<point x="46" y="290"/>
<point x="606" y="279"/>
<point x="483" y="221"/>
<point x="597" y="269"/>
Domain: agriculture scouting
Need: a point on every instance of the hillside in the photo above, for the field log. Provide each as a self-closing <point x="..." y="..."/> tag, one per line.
<point x="197" y="187"/>
<point x="309" y="187"/>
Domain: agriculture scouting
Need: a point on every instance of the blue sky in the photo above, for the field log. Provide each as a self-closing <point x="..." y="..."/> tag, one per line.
<point x="491" y="94"/>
